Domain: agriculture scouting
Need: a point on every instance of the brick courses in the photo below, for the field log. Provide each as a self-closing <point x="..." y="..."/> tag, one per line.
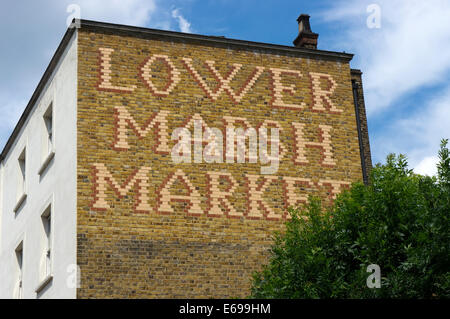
<point x="191" y="238"/>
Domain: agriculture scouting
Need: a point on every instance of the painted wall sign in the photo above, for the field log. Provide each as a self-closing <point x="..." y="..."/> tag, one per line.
<point x="156" y="128"/>
<point x="190" y="153"/>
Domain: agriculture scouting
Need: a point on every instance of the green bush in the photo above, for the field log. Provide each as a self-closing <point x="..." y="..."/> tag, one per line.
<point x="400" y="221"/>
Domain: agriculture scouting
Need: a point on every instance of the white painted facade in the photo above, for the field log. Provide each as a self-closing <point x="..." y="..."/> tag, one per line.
<point x="55" y="186"/>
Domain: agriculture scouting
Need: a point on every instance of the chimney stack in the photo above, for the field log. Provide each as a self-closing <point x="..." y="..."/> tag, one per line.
<point x="306" y="38"/>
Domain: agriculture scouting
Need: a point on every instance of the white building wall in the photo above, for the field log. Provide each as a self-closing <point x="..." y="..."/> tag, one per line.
<point x="57" y="184"/>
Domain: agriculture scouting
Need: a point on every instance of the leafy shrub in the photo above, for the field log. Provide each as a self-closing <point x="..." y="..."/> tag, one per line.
<point x="400" y="221"/>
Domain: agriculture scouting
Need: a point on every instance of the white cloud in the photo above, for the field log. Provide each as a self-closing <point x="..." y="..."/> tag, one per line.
<point x="411" y="49"/>
<point x="427" y="166"/>
<point x="184" y="25"/>
<point x="130" y="12"/>
<point x="408" y="55"/>
<point x="425" y="129"/>
<point x="419" y="134"/>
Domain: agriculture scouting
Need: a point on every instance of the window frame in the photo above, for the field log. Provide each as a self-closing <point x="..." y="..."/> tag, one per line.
<point x="18" y="284"/>
<point x="46" y="274"/>
<point x="48" y="141"/>
<point x="22" y="179"/>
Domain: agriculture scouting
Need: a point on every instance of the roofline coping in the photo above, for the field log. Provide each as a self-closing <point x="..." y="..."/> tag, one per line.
<point x="103" y="26"/>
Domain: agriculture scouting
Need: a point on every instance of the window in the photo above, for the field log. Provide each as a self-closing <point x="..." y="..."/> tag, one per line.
<point x="19" y="282"/>
<point x="48" y="144"/>
<point x="22" y="175"/>
<point x="47" y="231"/>
<point x="45" y="273"/>
<point x="48" y="121"/>
<point x="21" y="180"/>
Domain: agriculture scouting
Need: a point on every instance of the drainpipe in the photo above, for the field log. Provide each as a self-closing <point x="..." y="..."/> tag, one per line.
<point x="358" y="126"/>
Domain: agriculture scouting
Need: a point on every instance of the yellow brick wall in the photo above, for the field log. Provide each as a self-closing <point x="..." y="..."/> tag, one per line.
<point x="127" y="252"/>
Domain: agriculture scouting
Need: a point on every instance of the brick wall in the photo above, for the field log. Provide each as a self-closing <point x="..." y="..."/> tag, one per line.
<point x="148" y="227"/>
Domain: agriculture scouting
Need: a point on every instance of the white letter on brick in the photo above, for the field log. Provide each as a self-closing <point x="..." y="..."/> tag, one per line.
<point x="321" y="97"/>
<point x="278" y="88"/>
<point x="216" y="196"/>
<point x="172" y="79"/>
<point x="124" y="120"/>
<point x="324" y="144"/>
<point x="165" y="197"/>
<point x="105" y="73"/>
<point x="138" y="179"/>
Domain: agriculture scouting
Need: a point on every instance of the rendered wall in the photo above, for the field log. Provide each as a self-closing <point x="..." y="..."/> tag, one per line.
<point x="56" y="184"/>
<point x="148" y="227"/>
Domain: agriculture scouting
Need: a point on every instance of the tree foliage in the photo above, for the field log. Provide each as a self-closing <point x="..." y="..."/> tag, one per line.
<point x="400" y="221"/>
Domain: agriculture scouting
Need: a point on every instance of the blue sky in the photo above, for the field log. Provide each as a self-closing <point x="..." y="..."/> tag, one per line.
<point x="406" y="61"/>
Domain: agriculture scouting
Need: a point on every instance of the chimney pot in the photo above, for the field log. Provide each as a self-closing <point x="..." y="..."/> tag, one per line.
<point x="306" y="38"/>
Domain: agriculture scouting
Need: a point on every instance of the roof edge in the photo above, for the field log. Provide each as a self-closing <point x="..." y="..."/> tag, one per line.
<point x="104" y="26"/>
<point x="356" y="71"/>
